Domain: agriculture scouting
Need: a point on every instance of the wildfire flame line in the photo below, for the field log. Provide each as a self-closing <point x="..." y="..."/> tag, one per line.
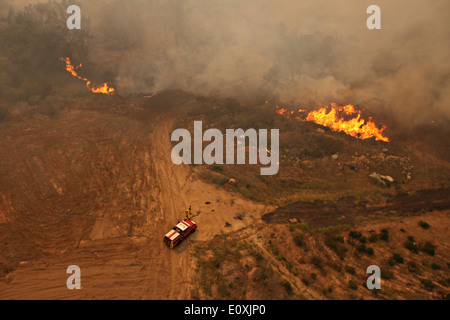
<point x="330" y="117"/>
<point x="105" y="89"/>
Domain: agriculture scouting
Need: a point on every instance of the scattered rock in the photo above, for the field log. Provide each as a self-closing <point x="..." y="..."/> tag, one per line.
<point x="335" y="156"/>
<point x="232" y="181"/>
<point x="207" y="202"/>
<point x="381" y="178"/>
<point x="320" y="130"/>
<point x="293" y="220"/>
<point x="227" y="224"/>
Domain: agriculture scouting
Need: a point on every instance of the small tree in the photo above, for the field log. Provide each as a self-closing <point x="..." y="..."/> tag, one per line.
<point x="398" y="258"/>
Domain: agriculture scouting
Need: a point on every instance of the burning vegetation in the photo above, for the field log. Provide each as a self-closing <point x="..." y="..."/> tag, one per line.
<point x="105" y="89"/>
<point x="334" y="118"/>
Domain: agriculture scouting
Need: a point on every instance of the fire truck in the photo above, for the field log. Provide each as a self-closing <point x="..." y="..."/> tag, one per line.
<point x="181" y="231"/>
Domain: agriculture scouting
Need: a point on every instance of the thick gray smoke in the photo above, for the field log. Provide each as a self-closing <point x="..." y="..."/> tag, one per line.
<point x="304" y="53"/>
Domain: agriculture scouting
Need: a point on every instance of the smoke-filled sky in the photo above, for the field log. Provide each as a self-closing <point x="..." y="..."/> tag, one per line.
<point x="300" y="52"/>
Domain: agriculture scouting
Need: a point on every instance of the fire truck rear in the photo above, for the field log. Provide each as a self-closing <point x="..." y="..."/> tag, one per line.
<point x="180" y="232"/>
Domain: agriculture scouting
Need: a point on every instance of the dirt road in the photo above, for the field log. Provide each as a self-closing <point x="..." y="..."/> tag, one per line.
<point x="135" y="264"/>
<point x="345" y="210"/>
<point x="213" y="208"/>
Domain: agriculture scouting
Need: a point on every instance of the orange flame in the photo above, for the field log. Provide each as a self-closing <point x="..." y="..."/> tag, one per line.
<point x="355" y="127"/>
<point x="105" y="89"/>
<point x="281" y="111"/>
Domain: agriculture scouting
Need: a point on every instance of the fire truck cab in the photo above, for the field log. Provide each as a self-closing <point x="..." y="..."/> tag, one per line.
<point x="180" y="232"/>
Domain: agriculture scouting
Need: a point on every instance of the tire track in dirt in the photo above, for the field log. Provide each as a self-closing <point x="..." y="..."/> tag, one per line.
<point x="166" y="269"/>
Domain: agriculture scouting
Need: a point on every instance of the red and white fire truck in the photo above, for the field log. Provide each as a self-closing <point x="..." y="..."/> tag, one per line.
<point x="180" y="232"/>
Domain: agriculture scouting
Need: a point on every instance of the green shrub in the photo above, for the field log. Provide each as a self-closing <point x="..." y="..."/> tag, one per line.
<point x="370" y="251"/>
<point x="299" y="239"/>
<point x="435" y="266"/>
<point x="411" y="246"/>
<point x="355" y="234"/>
<point x="350" y="269"/>
<point x="429" y="248"/>
<point x="287" y="285"/>
<point x="352" y="285"/>
<point x="424" y="225"/>
<point x="259" y="256"/>
<point x="398" y="258"/>
<point x="428" y="284"/>
<point x="384" y="234"/>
